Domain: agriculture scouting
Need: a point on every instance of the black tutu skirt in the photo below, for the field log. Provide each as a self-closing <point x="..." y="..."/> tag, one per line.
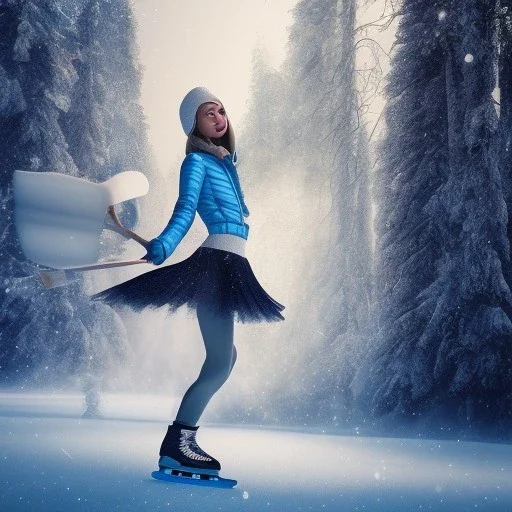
<point x="222" y="279"/>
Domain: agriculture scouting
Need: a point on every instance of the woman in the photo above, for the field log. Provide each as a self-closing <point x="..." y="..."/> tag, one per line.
<point x="216" y="280"/>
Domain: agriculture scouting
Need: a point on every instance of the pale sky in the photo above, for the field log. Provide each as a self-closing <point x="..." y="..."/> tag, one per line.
<point x="200" y="42"/>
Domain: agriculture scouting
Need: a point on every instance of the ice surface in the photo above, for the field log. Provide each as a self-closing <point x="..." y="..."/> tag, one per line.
<point x="53" y="460"/>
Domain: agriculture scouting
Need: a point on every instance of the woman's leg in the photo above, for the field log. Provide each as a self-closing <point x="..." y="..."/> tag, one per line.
<point x="217" y="335"/>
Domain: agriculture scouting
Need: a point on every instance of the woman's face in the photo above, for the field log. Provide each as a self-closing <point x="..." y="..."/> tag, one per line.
<point x="211" y="120"/>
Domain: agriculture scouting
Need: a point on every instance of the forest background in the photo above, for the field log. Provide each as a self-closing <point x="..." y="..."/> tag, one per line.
<point x="381" y="190"/>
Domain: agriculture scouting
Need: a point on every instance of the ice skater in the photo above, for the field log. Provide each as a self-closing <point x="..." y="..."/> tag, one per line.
<point x="216" y="281"/>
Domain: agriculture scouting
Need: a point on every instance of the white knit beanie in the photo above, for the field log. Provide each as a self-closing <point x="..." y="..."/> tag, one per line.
<point x="191" y="102"/>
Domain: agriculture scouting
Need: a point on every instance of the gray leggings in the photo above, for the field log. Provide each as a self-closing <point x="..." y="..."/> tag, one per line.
<point x="217" y="335"/>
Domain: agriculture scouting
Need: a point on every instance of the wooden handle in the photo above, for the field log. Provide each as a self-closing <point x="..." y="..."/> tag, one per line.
<point x="106" y="264"/>
<point x="55" y="278"/>
<point x="119" y="228"/>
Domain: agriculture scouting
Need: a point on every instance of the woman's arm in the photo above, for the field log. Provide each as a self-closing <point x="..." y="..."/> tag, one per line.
<point x="192" y="175"/>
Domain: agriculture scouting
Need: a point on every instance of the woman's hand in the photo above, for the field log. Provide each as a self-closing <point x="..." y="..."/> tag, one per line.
<point x="157" y="252"/>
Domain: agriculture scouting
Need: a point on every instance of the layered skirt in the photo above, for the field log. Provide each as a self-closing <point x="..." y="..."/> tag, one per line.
<point x="217" y="273"/>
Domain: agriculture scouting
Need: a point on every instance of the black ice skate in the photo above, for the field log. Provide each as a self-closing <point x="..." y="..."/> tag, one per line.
<point x="183" y="461"/>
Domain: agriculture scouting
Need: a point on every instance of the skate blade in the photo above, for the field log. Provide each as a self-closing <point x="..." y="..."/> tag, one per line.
<point x="177" y="476"/>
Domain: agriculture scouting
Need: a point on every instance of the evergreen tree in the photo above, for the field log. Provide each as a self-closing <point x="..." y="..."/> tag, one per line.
<point x="343" y="282"/>
<point x="503" y="139"/>
<point x="84" y="124"/>
<point x="46" y="74"/>
<point x="260" y="138"/>
<point x="444" y="348"/>
<point x="46" y="335"/>
<point x="105" y="125"/>
<point x="330" y="147"/>
<point x="128" y="147"/>
<point x="472" y="363"/>
<point x="413" y="162"/>
<point x="316" y="147"/>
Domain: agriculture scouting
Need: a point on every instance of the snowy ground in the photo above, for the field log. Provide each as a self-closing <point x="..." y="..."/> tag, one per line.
<point x="53" y="460"/>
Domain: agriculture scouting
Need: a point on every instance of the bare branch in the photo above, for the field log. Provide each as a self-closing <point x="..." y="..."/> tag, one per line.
<point x="373" y="41"/>
<point x="384" y="26"/>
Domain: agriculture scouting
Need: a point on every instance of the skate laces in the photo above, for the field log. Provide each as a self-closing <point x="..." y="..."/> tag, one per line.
<point x="190" y="448"/>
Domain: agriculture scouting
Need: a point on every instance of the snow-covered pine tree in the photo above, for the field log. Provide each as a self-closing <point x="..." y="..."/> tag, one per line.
<point x="444" y="348"/>
<point x="261" y="139"/>
<point x="503" y="139"/>
<point x="105" y="125"/>
<point x="25" y="32"/>
<point x="332" y="148"/>
<point x="84" y="122"/>
<point x="46" y="74"/>
<point x="278" y="141"/>
<point x="46" y="335"/>
<point x="472" y="366"/>
<point x="126" y="126"/>
<point x="317" y="140"/>
<point x="343" y="286"/>
<point x="125" y="123"/>
<point x="413" y="161"/>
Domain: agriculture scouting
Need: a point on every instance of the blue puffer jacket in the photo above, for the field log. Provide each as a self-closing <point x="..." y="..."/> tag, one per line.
<point x="211" y="187"/>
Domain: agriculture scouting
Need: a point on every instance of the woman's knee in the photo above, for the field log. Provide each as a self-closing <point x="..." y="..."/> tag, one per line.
<point x="214" y="380"/>
<point x="217" y="367"/>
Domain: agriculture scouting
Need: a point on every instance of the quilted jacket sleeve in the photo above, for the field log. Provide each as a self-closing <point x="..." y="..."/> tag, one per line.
<point x="192" y="175"/>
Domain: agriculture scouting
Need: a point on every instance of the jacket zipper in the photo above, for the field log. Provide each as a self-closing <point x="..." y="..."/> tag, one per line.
<point x="236" y="193"/>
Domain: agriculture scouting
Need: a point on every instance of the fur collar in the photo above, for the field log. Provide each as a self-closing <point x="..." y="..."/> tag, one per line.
<point x="195" y="143"/>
